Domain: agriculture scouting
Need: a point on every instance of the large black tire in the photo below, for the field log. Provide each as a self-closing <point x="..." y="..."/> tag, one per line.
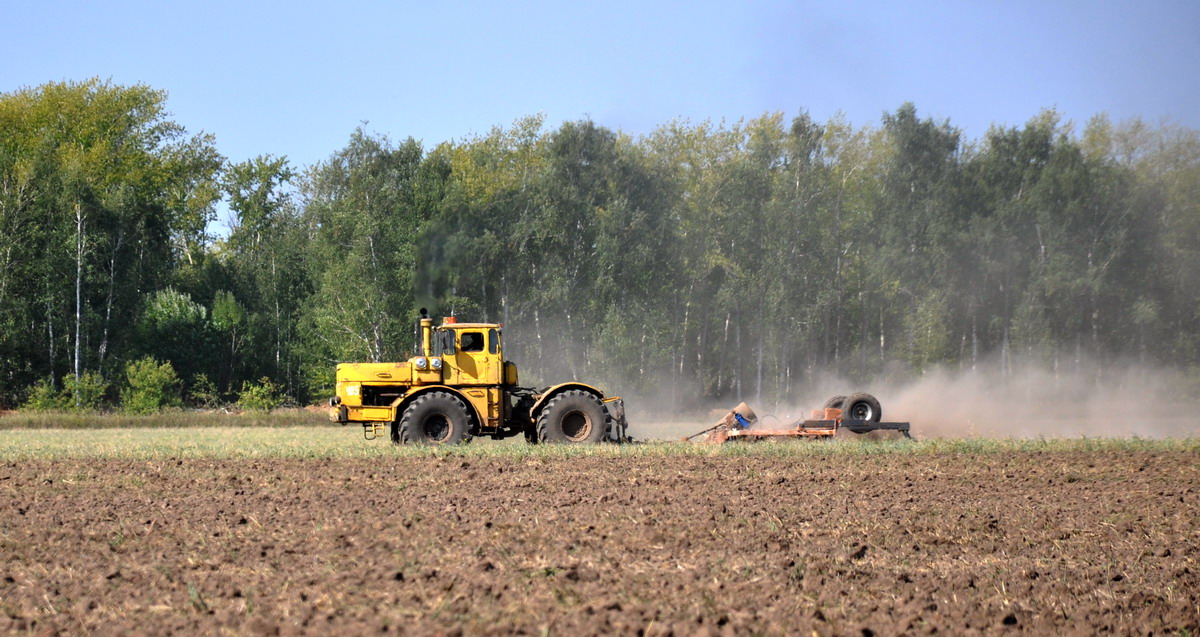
<point x="861" y="407"/>
<point x="574" y="417"/>
<point x="835" y="402"/>
<point x="436" y="418"/>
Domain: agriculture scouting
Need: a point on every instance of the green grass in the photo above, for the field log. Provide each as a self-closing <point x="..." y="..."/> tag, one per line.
<point x="332" y="441"/>
<point x="177" y="418"/>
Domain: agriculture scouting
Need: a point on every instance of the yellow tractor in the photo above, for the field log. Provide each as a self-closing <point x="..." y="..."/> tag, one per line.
<point x="458" y="386"/>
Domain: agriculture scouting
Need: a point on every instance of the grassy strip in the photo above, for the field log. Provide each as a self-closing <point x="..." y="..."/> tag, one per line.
<point x="347" y="442"/>
<point x="175" y="419"/>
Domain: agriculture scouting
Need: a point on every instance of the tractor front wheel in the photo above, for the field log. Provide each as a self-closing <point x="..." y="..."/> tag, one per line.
<point x="574" y="416"/>
<point x="436" y="418"/>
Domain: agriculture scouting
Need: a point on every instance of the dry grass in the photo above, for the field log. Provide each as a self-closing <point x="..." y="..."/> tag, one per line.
<point x="272" y="439"/>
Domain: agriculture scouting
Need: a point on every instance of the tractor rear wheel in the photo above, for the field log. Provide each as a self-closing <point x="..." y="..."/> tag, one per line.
<point x="861" y="407"/>
<point x="574" y="416"/>
<point x="436" y="418"/>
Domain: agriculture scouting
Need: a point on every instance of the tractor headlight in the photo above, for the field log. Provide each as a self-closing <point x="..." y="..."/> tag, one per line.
<point x="421" y="362"/>
<point x="435" y="363"/>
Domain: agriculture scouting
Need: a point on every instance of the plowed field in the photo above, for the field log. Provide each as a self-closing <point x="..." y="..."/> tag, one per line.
<point x="1054" y="542"/>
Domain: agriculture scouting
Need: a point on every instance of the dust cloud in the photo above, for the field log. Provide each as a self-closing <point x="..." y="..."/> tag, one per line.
<point x="1113" y="400"/>
<point x="1129" y="401"/>
<point x="1031" y="403"/>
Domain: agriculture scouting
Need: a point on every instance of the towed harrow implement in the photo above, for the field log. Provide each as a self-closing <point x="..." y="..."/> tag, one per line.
<point x="857" y="413"/>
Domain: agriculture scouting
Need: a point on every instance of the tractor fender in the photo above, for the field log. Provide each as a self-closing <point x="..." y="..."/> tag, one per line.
<point x="554" y="390"/>
<point x="401" y="403"/>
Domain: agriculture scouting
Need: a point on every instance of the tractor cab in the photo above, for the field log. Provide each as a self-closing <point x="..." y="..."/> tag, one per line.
<point x="471" y="353"/>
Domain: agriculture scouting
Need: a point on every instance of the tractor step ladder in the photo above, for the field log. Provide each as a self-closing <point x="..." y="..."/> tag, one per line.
<point x="373" y="430"/>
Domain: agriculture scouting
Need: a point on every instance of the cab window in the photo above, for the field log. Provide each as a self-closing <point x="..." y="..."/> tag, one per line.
<point x="471" y="341"/>
<point x="493" y="341"/>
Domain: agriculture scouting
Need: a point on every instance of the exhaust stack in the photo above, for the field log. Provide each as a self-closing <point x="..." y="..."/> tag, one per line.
<point x="426" y="333"/>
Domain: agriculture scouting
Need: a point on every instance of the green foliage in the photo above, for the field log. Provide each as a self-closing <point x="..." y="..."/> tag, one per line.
<point x="174" y="328"/>
<point x="255" y="194"/>
<point x="233" y="326"/>
<point x="261" y="396"/>
<point x="44" y="397"/>
<point x="227" y="315"/>
<point x="202" y="392"/>
<point x="170" y="311"/>
<point x="731" y="260"/>
<point x="366" y="208"/>
<point x="316" y="377"/>
<point x="98" y="191"/>
<point x="150" y="387"/>
<point x="85" y="393"/>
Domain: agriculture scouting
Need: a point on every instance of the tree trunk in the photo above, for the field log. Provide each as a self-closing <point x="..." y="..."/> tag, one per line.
<point x="737" y="370"/>
<point x="677" y="375"/>
<point x="50" y="336"/>
<point x="108" y="303"/>
<point x="974" y="342"/>
<point x="723" y="360"/>
<point x="504" y="299"/>
<point x="79" y="246"/>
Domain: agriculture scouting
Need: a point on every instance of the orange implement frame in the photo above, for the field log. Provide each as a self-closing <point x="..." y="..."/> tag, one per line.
<point x="824" y="424"/>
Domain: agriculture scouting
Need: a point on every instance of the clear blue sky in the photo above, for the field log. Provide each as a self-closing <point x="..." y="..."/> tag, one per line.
<point x="295" y="78"/>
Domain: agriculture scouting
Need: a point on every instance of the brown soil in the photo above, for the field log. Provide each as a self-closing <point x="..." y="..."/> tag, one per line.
<point x="1047" y="543"/>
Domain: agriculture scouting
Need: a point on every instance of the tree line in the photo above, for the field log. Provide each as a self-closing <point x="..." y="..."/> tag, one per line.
<point x="703" y="260"/>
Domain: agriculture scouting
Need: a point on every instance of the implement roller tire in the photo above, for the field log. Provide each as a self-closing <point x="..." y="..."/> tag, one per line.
<point x="861" y="407"/>
<point x="436" y="418"/>
<point x="572" y="417"/>
<point x="835" y="402"/>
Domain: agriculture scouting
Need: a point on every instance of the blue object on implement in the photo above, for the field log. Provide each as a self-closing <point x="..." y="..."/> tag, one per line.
<point x="742" y="422"/>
